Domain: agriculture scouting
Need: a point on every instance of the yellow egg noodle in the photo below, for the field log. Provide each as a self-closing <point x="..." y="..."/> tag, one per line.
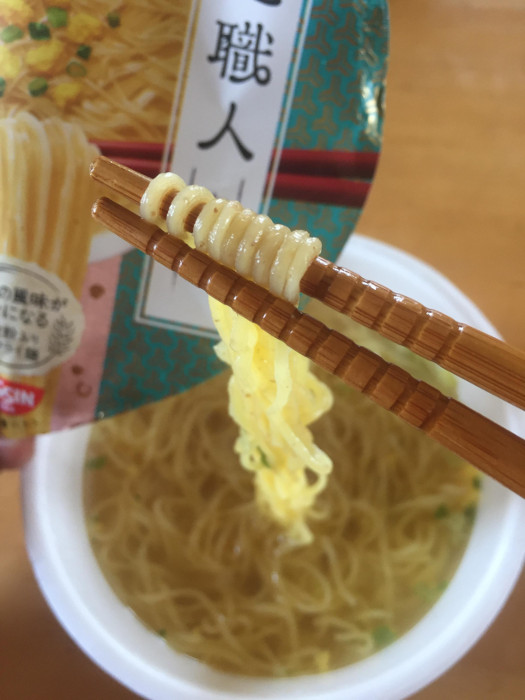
<point x="109" y="66"/>
<point x="45" y="192"/>
<point x="250" y="243"/>
<point x="274" y="396"/>
<point x="176" y="528"/>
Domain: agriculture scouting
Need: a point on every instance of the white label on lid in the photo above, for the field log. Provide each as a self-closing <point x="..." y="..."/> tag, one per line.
<point x="233" y="96"/>
<point x="230" y="116"/>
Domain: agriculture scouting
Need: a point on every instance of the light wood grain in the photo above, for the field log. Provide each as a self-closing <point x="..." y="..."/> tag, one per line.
<point x="450" y="179"/>
<point x="487" y="362"/>
<point x="467" y="352"/>
<point x="475" y="438"/>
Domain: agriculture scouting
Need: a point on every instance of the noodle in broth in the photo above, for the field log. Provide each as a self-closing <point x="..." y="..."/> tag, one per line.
<point x="336" y="536"/>
<point x="175" y="526"/>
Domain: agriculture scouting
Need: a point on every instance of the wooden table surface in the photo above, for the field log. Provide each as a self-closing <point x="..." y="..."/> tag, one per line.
<point x="449" y="190"/>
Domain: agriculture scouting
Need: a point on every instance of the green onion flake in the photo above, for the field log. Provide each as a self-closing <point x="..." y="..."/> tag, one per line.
<point x="37" y="86"/>
<point x="11" y="33"/>
<point x="57" y="17"/>
<point x="113" y="19"/>
<point x="96" y="462"/>
<point x="84" y="51"/>
<point x="76" y="69"/>
<point x="264" y="458"/>
<point x="383" y="635"/>
<point x="2" y="87"/>
<point x="441" y="511"/>
<point x="38" y="31"/>
<point x="470" y="512"/>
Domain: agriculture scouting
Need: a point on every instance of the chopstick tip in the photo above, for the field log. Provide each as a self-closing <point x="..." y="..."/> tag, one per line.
<point x="99" y="205"/>
<point x="95" y="165"/>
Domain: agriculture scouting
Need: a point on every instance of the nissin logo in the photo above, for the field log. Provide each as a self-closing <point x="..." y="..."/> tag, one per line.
<point x="17" y="399"/>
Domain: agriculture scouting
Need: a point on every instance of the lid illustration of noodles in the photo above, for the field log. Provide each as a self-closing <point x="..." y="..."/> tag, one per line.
<point x="279" y="105"/>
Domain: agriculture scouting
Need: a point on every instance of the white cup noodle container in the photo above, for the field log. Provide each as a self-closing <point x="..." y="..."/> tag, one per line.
<point x="111" y="635"/>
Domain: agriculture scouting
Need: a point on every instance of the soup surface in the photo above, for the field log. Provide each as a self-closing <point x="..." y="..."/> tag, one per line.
<point x="176" y="529"/>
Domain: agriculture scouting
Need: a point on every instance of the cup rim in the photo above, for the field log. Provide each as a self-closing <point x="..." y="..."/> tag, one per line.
<point x="77" y="592"/>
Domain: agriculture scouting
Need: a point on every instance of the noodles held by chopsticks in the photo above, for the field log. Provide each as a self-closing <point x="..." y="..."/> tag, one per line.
<point x="273" y="394"/>
<point x="270" y="254"/>
<point x="276" y="569"/>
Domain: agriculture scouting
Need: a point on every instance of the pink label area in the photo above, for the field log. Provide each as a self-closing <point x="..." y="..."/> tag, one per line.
<point x="80" y="377"/>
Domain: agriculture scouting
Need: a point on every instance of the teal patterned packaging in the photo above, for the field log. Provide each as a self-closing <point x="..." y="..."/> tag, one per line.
<point x="277" y="103"/>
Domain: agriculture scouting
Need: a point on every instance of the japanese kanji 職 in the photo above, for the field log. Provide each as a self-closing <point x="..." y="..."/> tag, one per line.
<point x="239" y="50"/>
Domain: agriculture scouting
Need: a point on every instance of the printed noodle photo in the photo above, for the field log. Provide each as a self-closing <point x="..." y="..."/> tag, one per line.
<point x="46" y="194"/>
<point x="110" y="67"/>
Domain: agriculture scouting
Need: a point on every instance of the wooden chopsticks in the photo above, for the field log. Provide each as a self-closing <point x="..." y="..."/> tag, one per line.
<point x="486" y="445"/>
<point x="339" y="178"/>
<point x="468" y="353"/>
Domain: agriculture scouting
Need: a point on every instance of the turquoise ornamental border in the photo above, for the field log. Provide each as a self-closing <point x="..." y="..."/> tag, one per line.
<point x="143" y="363"/>
<point x="338" y="104"/>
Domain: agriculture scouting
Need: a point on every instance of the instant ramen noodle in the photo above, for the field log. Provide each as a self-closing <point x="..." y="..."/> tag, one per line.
<point x="342" y="531"/>
<point x="181" y="533"/>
